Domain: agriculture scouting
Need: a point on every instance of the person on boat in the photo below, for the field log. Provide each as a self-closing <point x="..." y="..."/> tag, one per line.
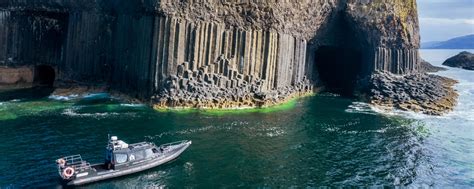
<point x="108" y="160"/>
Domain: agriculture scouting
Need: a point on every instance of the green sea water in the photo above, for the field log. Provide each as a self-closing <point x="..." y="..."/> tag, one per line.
<point x="322" y="140"/>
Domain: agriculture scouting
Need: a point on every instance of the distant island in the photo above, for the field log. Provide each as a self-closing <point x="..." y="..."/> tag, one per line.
<point x="463" y="42"/>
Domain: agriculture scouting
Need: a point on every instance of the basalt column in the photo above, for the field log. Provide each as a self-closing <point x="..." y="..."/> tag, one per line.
<point x="204" y="64"/>
<point x="210" y="53"/>
<point x="88" y="53"/>
<point x="31" y="37"/>
<point x="359" y="38"/>
<point x="391" y="30"/>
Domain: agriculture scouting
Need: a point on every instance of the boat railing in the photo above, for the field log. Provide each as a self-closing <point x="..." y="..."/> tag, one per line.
<point x="74" y="159"/>
<point x="76" y="162"/>
<point x="173" y="143"/>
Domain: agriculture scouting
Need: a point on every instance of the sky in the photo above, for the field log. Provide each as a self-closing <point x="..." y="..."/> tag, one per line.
<point x="441" y="20"/>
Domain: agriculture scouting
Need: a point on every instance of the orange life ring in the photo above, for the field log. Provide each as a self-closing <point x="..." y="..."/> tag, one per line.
<point x="68" y="172"/>
<point x="61" y="162"/>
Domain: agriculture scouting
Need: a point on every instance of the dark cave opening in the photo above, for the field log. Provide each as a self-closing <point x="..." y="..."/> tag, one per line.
<point x="339" y="68"/>
<point x="44" y="76"/>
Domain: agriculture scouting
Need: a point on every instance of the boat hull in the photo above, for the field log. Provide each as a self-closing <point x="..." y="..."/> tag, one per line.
<point x="105" y="175"/>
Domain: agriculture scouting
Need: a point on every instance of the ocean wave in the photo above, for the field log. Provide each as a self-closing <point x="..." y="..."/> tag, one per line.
<point x="97" y="95"/>
<point x="63" y="98"/>
<point x="361" y="107"/>
<point x="133" y="105"/>
<point x="352" y="132"/>
<point x="365" y="108"/>
<point x="464" y="111"/>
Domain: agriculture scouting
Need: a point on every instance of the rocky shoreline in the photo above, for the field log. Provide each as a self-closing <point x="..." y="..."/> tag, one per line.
<point x="419" y="92"/>
<point x="427" y="67"/>
<point x="222" y="87"/>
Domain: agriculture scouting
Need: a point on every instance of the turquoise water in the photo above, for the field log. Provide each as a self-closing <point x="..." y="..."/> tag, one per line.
<point x="323" y="140"/>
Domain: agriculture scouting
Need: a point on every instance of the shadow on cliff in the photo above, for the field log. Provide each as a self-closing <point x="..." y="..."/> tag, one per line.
<point x="339" y="68"/>
<point x="338" y="53"/>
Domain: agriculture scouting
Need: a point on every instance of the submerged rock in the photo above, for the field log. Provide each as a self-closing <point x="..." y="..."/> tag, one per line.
<point x="420" y="92"/>
<point x="464" y="60"/>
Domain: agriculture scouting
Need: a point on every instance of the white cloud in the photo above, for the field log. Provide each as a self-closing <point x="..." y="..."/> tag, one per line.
<point x="440" y="29"/>
<point x="445" y="21"/>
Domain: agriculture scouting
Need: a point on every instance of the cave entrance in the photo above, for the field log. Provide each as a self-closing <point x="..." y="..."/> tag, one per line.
<point x="339" y="68"/>
<point x="44" y="76"/>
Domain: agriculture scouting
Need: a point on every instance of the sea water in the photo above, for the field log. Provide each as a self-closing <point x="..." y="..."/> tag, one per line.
<point x="323" y="140"/>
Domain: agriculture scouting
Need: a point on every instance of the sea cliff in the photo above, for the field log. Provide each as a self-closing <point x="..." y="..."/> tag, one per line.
<point x="210" y="53"/>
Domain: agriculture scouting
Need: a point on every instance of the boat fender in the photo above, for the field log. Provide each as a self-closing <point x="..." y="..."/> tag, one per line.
<point x="61" y="162"/>
<point x="68" y="172"/>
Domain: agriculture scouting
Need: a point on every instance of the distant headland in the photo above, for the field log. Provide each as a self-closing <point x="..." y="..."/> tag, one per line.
<point x="463" y="42"/>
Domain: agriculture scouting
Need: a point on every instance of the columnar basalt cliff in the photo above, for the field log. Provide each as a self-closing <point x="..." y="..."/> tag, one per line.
<point x="211" y="53"/>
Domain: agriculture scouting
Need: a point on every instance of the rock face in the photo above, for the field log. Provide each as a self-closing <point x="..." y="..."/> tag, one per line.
<point x="427" y="67"/>
<point x="211" y="53"/>
<point x="464" y="60"/>
<point x="419" y="92"/>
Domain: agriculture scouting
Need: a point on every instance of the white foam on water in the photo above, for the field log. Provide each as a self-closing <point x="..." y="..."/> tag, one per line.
<point x="353" y="132"/>
<point x="274" y="132"/>
<point x="97" y="95"/>
<point x="196" y="130"/>
<point x="72" y="113"/>
<point x="63" y="98"/>
<point x="132" y="105"/>
<point x="365" y="108"/>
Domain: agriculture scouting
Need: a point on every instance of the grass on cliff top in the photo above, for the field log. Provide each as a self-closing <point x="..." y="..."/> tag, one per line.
<point x="290" y="104"/>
